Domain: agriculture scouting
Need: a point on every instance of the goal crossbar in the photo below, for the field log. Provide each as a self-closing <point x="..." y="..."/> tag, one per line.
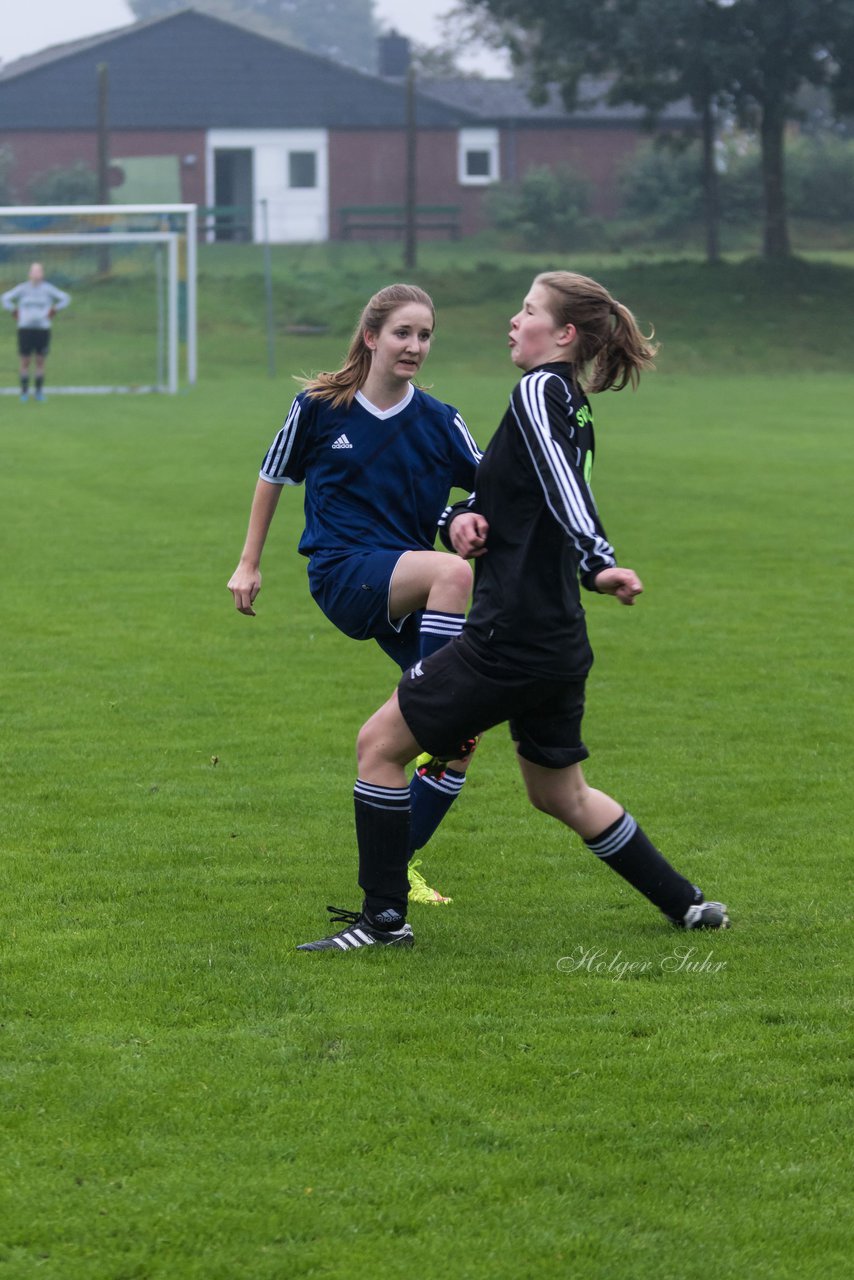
<point x="190" y="212"/>
<point x="167" y="238"/>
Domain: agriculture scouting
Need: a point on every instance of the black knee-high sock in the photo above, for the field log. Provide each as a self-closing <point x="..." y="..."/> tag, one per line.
<point x="627" y="850"/>
<point x="25" y="383"/>
<point x="382" y="832"/>
<point x="39" y="381"/>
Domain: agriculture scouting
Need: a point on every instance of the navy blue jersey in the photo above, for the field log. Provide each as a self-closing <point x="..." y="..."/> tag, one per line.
<point x="544" y="530"/>
<point x="373" y="478"/>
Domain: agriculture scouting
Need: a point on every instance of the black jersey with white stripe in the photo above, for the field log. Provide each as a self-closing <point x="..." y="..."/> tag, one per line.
<point x="533" y="487"/>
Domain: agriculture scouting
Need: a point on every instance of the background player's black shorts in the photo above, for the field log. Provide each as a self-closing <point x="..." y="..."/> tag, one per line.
<point x="33" y="342"/>
<point x="454" y="695"/>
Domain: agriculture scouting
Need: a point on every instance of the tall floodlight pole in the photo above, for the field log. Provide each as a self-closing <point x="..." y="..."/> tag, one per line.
<point x="411" y="241"/>
<point x="268" y="291"/>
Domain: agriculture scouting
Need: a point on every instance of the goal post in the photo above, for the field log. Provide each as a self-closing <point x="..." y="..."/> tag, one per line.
<point x="167" y="238"/>
<point x="131" y="224"/>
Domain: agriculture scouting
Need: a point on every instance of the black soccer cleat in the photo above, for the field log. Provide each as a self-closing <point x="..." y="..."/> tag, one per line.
<point x="362" y="931"/>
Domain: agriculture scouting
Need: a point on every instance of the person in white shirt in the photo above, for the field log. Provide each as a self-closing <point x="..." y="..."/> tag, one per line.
<point x="34" y="304"/>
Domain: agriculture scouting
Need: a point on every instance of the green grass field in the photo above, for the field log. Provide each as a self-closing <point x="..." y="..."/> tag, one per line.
<point x="553" y="1083"/>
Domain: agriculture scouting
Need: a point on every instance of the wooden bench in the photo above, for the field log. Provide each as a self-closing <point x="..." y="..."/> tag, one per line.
<point x="392" y="217"/>
<point x="226" y="221"/>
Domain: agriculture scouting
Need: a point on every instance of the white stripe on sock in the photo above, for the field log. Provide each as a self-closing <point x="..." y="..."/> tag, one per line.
<point x="449" y="786"/>
<point x="615" y="841"/>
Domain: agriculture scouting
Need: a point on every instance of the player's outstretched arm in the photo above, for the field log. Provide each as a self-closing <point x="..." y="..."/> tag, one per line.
<point x="622" y="583"/>
<point x="245" y="583"/>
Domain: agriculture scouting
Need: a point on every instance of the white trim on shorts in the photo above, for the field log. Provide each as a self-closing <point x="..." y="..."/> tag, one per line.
<point x="396" y="625"/>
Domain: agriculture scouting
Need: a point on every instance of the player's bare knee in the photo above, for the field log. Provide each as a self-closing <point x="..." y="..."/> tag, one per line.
<point x="562" y="798"/>
<point x="456" y="578"/>
<point x="366" y="745"/>
<point x="539" y="796"/>
<point x="545" y="802"/>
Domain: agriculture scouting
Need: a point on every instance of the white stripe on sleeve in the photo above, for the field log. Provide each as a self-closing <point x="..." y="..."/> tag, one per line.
<point x="275" y="463"/>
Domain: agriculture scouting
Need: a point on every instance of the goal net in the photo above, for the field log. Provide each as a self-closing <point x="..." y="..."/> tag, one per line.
<point x="131" y="275"/>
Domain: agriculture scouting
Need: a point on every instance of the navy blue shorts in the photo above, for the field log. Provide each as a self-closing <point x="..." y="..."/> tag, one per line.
<point x="454" y="695"/>
<point x="352" y="590"/>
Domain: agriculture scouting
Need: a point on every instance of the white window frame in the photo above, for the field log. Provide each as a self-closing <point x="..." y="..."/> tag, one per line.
<point x="478" y="140"/>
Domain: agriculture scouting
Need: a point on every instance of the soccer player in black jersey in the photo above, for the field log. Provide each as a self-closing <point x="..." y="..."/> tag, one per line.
<point x="377" y="457"/>
<point x="523" y="655"/>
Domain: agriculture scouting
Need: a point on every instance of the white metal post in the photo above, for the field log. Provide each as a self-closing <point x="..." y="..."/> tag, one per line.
<point x="172" y="326"/>
<point x="189" y="212"/>
<point x="192" y="306"/>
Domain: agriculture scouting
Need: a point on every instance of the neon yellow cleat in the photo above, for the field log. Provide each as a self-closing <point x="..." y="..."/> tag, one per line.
<point x="420" y="891"/>
<point x="427" y="766"/>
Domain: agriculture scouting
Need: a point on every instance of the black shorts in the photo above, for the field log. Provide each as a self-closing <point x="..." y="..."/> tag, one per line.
<point x="453" y="695"/>
<point x="33" y="342"/>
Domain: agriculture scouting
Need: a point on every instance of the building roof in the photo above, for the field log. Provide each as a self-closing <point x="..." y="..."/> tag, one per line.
<point x="508" y="102"/>
<point x="189" y="70"/>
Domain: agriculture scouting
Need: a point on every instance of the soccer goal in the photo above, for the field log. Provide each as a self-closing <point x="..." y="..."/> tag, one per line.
<point x="131" y="271"/>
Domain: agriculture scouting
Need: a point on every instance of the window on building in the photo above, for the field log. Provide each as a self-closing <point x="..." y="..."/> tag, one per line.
<point x="302" y="168"/>
<point x="478" y="157"/>
<point x="478" y="164"/>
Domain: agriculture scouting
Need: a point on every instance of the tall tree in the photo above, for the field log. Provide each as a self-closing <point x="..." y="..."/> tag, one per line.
<point x="345" y="30"/>
<point x="774" y="50"/>
<point x="668" y="50"/>
<point x="754" y="53"/>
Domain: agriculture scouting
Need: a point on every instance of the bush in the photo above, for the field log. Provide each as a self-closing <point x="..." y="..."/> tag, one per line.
<point x="820" y="179"/>
<point x="547" y="208"/>
<point x="740" y="190"/>
<point x="75" y="185"/>
<point x="660" y="187"/>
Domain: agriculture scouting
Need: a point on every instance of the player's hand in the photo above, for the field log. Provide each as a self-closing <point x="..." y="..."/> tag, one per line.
<point x="51" y="313"/>
<point x="468" y="534"/>
<point x="15" y="313"/>
<point x="244" y="586"/>
<point x="622" y="583"/>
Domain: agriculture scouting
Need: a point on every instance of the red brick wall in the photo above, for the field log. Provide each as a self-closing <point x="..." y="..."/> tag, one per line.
<point x="35" y="153"/>
<point x="365" y="166"/>
<point x="596" y="153"/>
<point x="368" y="167"/>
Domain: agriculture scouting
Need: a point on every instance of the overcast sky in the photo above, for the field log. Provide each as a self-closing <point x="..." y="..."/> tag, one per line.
<point x="27" y="28"/>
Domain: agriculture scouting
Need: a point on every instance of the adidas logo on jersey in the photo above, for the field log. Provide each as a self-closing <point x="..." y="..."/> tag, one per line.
<point x="341" y="443"/>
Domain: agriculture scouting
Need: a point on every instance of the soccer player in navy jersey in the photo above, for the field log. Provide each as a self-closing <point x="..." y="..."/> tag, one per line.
<point x="523" y="655"/>
<point x="378" y="458"/>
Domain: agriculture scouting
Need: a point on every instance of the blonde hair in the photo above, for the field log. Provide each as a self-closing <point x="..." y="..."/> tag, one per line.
<point x="340" y="387"/>
<point x="609" y="347"/>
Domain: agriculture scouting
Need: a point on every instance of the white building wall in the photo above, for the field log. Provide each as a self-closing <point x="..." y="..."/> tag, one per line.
<point x="295" y="213"/>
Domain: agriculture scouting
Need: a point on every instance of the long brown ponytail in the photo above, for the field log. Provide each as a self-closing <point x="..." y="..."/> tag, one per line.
<point x="610" y="351"/>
